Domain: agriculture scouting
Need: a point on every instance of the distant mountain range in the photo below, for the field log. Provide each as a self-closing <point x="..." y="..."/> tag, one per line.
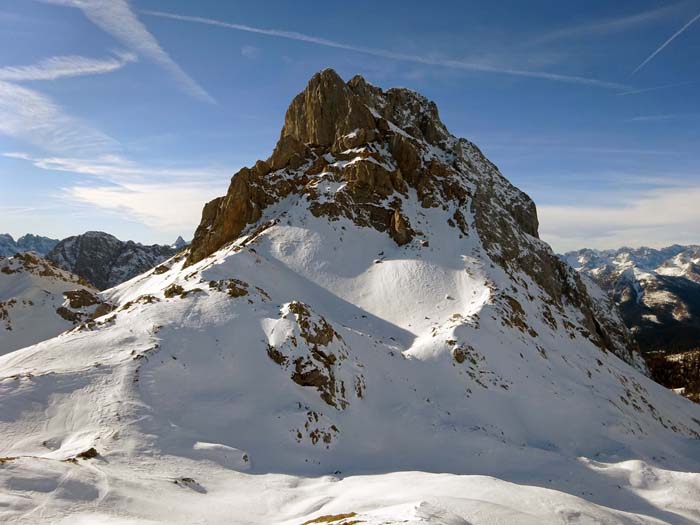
<point x="658" y="293"/>
<point x="27" y="243"/>
<point x="104" y="260"/>
<point x="99" y="258"/>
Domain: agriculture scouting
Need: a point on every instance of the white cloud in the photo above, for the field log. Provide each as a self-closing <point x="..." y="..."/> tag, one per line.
<point x="116" y="18"/>
<point x="655" y="218"/>
<point x="660" y="118"/>
<point x="656" y="88"/>
<point x="117" y="169"/>
<point x="383" y="53"/>
<point x="165" y="199"/>
<point x="167" y="208"/>
<point x="65" y="66"/>
<point x="28" y="115"/>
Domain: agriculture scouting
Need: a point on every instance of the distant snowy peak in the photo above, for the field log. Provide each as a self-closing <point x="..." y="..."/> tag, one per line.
<point x="646" y="263"/>
<point x="179" y="243"/>
<point x="104" y="260"/>
<point x="658" y="291"/>
<point x="27" y="243"/>
<point x="38" y="301"/>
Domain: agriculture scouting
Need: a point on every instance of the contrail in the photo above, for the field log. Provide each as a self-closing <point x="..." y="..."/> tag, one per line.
<point x="673" y="37"/>
<point x="655" y="88"/>
<point x="382" y="53"/>
<point x="117" y="18"/>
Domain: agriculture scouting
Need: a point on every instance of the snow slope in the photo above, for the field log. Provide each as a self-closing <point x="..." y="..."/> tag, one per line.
<point x="39" y="301"/>
<point x="321" y="365"/>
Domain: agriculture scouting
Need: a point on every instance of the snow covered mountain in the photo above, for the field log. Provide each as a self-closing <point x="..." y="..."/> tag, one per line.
<point x="26" y="243"/>
<point x="39" y="300"/>
<point x="104" y="260"/>
<point x="658" y="292"/>
<point x="365" y="309"/>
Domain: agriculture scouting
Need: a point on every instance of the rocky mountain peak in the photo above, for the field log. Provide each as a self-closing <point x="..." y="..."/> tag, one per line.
<point x="326" y="111"/>
<point x="179" y="243"/>
<point x="104" y="260"/>
<point x="384" y="160"/>
<point x="379" y="142"/>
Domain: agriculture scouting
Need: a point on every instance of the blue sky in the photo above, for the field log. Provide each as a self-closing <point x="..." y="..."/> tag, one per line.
<point x="127" y="116"/>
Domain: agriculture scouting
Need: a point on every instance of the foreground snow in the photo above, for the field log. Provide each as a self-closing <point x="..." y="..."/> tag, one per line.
<point x="173" y="490"/>
<point x="194" y="422"/>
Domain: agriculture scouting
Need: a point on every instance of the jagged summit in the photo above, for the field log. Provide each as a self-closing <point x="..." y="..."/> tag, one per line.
<point x="106" y="261"/>
<point x="179" y="243"/>
<point x="657" y="290"/>
<point x="26" y="243"/>
<point x="329" y="117"/>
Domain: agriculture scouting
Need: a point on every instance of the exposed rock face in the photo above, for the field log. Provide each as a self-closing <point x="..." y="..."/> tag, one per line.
<point x="325" y="112"/>
<point x="680" y="371"/>
<point x="369" y="149"/>
<point x="26" y="243"/>
<point x="104" y="260"/>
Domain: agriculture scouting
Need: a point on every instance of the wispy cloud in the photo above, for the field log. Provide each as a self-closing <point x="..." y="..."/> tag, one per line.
<point x="656" y="88"/>
<point x="169" y="200"/>
<point x="120" y="170"/>
<point x="117" y="18"/>
<point x="607" y="26"/>
<point x="545" y="147"/>
<point x="667" y="42"/>
<point x="65" y="66"/>
<point x="167" y="208"/>
<point x="28" y="115"/>
<point x="392" y="55"/>
<point x="660" y="118"/>
<point x="641" y="219"/>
